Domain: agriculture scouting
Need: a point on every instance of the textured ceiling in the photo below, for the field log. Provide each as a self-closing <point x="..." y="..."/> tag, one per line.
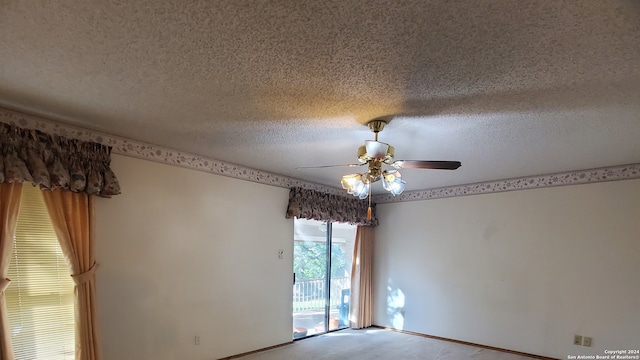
<point x="509" y="88"/>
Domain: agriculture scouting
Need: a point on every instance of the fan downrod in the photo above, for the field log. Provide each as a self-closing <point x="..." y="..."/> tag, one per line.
<point x="376" y="125"/>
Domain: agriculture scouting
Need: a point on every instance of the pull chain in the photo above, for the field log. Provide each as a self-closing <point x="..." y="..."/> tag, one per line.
<point x="369" y="209"/>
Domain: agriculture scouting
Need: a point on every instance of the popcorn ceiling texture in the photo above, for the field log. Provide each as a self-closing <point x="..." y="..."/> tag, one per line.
<point x="510" y="88"/>
<point x="154" y="153"/>
<point x="150" y="152"/>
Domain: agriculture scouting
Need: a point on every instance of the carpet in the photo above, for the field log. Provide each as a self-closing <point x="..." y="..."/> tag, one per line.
<point x="373" y="344"/>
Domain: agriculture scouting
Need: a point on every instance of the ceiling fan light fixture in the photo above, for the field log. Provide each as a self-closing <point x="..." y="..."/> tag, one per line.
<point x="391" y="175"/>
<point x="348" y="181"/>
<point x="363" y="191"/>
<point x="360" y="189"/>
<point x="393" y="183"/>
<point x="357" y="185"/>
<point x="398" y="187"/>
<point x="377" y="154"/>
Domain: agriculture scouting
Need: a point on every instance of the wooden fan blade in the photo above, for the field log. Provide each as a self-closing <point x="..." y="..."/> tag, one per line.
<point x="328" y="166"/>
<point x="426" y="164"/>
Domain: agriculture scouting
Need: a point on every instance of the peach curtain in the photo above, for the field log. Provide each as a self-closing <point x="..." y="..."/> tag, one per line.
<point x="10" y="194"/>
<point x="361" y="312"/>
<point x="72" y="218"/>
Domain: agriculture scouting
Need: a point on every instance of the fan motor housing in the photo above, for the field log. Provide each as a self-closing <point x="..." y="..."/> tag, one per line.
<point x="377" y="125"/>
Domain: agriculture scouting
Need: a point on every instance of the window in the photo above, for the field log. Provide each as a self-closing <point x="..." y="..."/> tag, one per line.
<point x="40" y="296"/>
<point x="322" y="257"/>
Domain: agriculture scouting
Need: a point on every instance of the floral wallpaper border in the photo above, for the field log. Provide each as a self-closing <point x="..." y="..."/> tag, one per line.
<point x="145" y="151"/>
<point x="624" y="172"/>
<point x="155" y="153"/>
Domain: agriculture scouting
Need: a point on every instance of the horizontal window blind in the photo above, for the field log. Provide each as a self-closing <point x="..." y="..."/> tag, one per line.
<point x="40" y="296"/>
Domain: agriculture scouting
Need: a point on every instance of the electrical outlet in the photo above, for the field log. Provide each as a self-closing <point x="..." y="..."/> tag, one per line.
<point x="577" y="340"/>
<point x="586" y="341"/>
<point x="196" y="340"/>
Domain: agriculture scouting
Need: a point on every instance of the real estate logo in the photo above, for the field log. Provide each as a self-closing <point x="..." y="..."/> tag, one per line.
<point x="610" y="355"/>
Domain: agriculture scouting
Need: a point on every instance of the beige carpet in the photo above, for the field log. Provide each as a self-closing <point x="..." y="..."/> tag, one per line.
<point x="376" y="343"/>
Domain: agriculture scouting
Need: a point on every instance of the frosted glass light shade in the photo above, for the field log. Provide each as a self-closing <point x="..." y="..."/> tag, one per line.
<point x="348" y="181"/>
<point x="393" y="183"/>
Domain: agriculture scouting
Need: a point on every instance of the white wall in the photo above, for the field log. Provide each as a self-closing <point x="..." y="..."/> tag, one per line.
<point x="182" y="253"/>
<point x="522" y="270"/>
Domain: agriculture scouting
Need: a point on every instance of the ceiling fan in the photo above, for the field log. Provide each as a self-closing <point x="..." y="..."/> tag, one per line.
<point x="376" y="155"/>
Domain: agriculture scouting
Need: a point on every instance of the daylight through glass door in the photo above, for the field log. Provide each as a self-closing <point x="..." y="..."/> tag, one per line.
<point x="322" y="258"/>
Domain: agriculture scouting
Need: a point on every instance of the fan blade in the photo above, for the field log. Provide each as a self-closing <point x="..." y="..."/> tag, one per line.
<point x="425" y="164"/>
<point x="327" y="166"/>
<point x="376" y="149"/>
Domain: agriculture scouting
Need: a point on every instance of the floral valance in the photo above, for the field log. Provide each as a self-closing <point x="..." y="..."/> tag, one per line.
<point x="52" y="162"/>
<point x="311" y="204"/>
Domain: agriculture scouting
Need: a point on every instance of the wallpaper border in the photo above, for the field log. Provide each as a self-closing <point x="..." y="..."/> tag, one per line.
<point x="137" y="149"/>
<point x="613" y="173"/>
<point x="155" y="153"/>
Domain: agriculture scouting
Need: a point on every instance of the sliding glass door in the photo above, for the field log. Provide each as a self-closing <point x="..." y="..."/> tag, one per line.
<point x="322" y="258"/>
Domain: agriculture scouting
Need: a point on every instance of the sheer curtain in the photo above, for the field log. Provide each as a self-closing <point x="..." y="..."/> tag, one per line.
<point x="72" y="217"/>
<point x="10" y="194"/>
<point x="361" y="311"/>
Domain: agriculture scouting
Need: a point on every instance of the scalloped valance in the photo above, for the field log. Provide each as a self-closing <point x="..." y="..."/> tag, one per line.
<point x="316" y="205"/>
<point x="52" y="162"/>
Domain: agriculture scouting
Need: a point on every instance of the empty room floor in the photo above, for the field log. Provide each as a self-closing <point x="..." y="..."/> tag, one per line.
<point x="374" y="343"/>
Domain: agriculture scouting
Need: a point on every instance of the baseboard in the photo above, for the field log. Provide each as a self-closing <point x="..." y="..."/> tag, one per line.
<point x="533" y="356"/>
<point x="256" y="351"/>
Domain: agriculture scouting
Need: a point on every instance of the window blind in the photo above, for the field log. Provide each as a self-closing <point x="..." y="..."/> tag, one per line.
<point x="40" y="296"/>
